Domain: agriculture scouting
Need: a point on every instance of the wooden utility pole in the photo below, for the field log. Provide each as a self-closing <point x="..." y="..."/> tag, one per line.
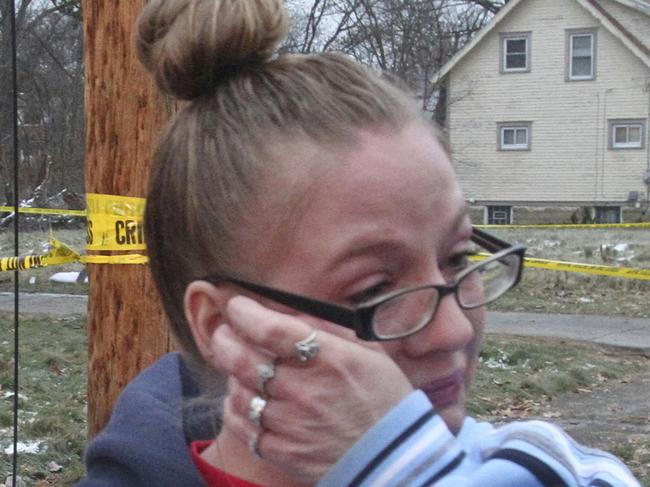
<point x="124" y="114"/>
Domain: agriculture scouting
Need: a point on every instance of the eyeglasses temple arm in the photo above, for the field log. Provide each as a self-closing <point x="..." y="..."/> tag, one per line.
<point x="487" y="241"/>
<point x="329" y="312"/>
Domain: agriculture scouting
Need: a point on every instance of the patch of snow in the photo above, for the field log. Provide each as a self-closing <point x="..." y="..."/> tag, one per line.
<point x="66" y="277"/>
<point x="9" y="394"/>
<point x="32" y="448"/>
<point x="552" y="243"/>
<point x="491" y="363"/>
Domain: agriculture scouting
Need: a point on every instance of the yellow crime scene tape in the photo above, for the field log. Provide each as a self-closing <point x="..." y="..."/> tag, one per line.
<point x="58" y="254"/>
<point x="115" y="259"/>
<point x="579" y="267"/>
<point x="43" y="211"/>
<point x="110" y="209"/>
<point x="599" y="270"/>
<point x="115" y="223"/>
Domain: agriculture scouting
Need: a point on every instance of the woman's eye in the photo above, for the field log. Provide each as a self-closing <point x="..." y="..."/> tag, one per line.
<point x="460" y="261"/>
<point x="369" y="294"/>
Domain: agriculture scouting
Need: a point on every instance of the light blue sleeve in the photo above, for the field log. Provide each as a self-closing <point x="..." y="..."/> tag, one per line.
<point x="549" y="451"/>
<point x="411" y="446"/>
<point x="410" y="443"/>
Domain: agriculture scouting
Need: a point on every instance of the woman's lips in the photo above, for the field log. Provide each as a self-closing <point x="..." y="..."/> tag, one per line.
<point x="445" y="391"/>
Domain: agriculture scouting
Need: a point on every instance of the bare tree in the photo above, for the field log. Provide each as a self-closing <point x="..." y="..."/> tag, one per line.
<point x="490" y="5"/>
<point x="411" y="39"/>
<point x="50" y="95"/>
<point x="320" y="26"/>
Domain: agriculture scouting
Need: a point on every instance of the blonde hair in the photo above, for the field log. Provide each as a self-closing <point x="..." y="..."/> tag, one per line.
<point x="210" y="163"/>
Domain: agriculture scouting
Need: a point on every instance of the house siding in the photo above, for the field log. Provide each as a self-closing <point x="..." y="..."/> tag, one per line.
<point x="570" y="159"/>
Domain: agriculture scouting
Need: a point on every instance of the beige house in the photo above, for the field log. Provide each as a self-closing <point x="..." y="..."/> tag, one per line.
<point x="548" y="110"/>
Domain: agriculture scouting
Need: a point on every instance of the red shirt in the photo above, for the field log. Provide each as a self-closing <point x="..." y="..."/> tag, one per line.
<point x="213" y="476"/>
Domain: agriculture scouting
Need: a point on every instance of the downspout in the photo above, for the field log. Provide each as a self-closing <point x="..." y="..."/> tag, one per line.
<point x="605" y="145"/>
<point x="597" y="146"/>
<point x="647" y="153"/>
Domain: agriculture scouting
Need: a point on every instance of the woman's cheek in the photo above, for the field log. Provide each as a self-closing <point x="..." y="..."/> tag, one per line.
<point x="477" y="317"/>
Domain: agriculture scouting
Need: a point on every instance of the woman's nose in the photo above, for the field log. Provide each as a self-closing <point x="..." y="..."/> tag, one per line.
<point x="451" y="328"/>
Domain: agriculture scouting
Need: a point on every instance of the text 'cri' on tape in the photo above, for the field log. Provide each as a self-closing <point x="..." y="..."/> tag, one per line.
<point x="114" y="222"/>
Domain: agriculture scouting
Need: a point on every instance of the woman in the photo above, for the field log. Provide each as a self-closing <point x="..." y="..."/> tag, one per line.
<point x="310" y="242"/>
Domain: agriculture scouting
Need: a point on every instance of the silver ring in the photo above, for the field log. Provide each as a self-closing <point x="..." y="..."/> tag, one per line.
<point x="308" y="348"/>
<point x="257" y="408"/>
<point x="265" y="372"/>
<point x="254" y="444"/>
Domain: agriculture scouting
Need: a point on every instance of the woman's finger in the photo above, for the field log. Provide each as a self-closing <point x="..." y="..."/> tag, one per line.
<point x="296" y="457"/>
<point x="243" y="361"/>
<point x="265" y="328"/>
<point x="274" y="415"/>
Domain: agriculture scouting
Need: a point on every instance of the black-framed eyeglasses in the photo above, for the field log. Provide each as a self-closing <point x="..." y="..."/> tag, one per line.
<point x="404" y="312"/>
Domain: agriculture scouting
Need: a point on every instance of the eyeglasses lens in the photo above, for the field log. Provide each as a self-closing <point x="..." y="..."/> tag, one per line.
<point x="405" y="313"/>
<point x="409" y="312"/>
<point x="488" y="282"/>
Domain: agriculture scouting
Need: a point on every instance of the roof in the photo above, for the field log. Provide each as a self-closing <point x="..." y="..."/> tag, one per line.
<point x="640" y="5"/>
<point x="594" y="7"/>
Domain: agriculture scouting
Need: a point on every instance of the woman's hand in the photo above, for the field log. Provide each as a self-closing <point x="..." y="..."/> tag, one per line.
<point x="316" y="410"/>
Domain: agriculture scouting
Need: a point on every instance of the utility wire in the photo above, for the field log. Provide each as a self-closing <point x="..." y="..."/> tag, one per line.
<point x="14" y="101"/>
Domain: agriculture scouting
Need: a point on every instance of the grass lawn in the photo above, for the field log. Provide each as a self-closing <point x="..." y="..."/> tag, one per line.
<point x="52" y="399"/>
<point x="599" y="395"/>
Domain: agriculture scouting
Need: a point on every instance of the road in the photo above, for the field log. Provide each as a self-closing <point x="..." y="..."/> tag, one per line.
<point x="633" y="333"/>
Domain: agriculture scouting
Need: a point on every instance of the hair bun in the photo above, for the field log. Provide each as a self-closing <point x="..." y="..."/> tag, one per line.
<point x="189" y="46"/>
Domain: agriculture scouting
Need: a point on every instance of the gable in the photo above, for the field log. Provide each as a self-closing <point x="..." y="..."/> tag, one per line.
<point x="633" y="30"/>
<point x="635" y="21"/>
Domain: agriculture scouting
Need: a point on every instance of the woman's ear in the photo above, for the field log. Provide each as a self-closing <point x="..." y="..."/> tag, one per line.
<point x="205" y="306"/>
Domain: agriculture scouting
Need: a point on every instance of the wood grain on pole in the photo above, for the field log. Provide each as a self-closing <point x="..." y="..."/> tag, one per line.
<point x="124" y="114"/>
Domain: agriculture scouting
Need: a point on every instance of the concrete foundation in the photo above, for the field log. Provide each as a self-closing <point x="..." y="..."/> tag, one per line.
<point x="527" y="214"/>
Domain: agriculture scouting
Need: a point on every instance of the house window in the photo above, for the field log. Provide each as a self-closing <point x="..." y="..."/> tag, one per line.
<point x="608" y="214"/>
<point x="499" y="215"/>
<point x="515" y="52"/>
<point x="513" y="135"/>
<point x="627" y="134"/>
<point x="581" y="55"/>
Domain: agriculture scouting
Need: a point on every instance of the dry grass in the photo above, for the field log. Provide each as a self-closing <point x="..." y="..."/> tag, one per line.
<point x="547" y="291"/>
<point x="600" y="395"/>
<point x="52" y="396"/>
